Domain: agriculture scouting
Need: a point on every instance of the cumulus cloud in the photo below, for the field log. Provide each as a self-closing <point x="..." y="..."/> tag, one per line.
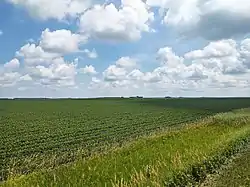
<point x="213" y="19"/>
<point x="9" y="79"/>
<point x="61" y="41"/>
<point x="44" y="63"/>
<point x="56" y="9"/>
<point x="168" y="57"/>
<point x="120" y="69"/>
<point x="113" y="73"/>
<point x="219" y="65"/>
<point x="52" y="45"/>
<point x="46" y="68"/>
<point x="216" y="49"/>
<point x="126" y="62"/>
<point x="221" y="56"/>
<point x="90" y="70"/>
<point x="58" y="73"/>
<point x="135" y="75"/>
<point x="124" y="23"/>
<point x="13" y="64"/>
<point x="26" y="77"/>
<point x="245" y="52"/>
<point x="35" y="55"/>
<point x="91" y="54"/>
<point x="222" y="64"/>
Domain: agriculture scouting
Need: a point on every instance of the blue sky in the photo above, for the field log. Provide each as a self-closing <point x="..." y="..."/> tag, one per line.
<point x="90" y="48"/>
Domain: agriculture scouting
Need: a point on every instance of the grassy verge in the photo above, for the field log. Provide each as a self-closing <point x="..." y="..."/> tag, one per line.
<point x="177" y="157"/>
<point x="236" y="174"/>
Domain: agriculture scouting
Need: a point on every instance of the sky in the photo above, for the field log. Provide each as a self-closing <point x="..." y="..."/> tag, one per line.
<point x="151" y="48"/>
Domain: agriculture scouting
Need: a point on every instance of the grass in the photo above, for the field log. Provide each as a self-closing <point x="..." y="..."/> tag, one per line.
<point x="165" y="159"/>
<point x="237" y="174"/>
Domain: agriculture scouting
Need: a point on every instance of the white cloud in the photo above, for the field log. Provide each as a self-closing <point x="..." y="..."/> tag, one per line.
<point x="216" y="49"/>
<point x="219" y="65"/>
<point x="135" y="75"/>
<point x="26" y="77"/>
<point x="52" y="45"/>
<point x="34" y="55"/>
<point x="58" y="73"/>
<point x="245" y="52"/>
<point x="213" y="19"/>
<point x="95" y="80"/>
<point x="113" y="73"/>
<point x="61" y="41"/>
<point x="221" y="56"/>
<point x="152" y="77"/>
<point x="168" y="57"/>
<point x="126" y="62"/>
<point x="120" y="70"/>
<point x="56" y="9"/>
<point x="13" y="64"/>
<point x="88" y="70"/>
<point x="9" y="79"/>
<point x="44" y="63"/>
<point x="91" y="54"/>
<point x="123" y="23"/>
<point x="46" y="68"/>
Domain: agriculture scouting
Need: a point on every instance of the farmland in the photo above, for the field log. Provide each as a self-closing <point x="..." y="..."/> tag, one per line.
<point x="44" y="134"/>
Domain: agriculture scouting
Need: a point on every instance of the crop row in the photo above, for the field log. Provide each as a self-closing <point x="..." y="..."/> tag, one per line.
<point x="43" y="128"/>
<point x="74" y="139"/>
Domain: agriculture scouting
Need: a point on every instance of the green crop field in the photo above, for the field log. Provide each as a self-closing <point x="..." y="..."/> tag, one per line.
<point x="45" y="134"/>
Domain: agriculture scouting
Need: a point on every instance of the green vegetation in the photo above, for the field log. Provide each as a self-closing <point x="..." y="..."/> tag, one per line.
<point x="36" y="135"/>
<point x="237" y="174"/>
<point x="176" y="157"/>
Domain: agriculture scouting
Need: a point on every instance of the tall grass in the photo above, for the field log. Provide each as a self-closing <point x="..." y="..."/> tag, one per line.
<point x="236" y="173"/>
<point x="177" y="157"/>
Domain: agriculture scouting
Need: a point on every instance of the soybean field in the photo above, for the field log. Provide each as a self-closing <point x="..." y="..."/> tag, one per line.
<point x="43" y="133"/>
